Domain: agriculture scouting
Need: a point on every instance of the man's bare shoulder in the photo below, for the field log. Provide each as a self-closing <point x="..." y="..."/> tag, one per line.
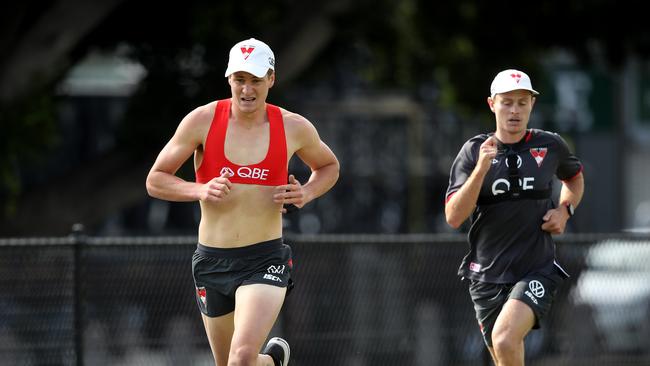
<point x="299" y="130"/>
<point x="202" y="114"/>
<point x="196" y="124"/>
<point x="294" y="122"/>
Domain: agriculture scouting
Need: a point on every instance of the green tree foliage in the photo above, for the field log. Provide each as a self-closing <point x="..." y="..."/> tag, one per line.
<point x="453" y="47"/>
<point x="28" y="131"/>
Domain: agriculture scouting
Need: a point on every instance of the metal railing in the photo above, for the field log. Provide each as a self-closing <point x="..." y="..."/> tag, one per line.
<point x="358" y="300"/>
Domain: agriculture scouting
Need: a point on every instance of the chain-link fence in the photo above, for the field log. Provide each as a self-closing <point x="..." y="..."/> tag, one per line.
<point x="359" y="300"/>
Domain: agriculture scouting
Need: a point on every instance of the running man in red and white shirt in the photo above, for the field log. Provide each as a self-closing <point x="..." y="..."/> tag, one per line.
<point x="241" y="148"/>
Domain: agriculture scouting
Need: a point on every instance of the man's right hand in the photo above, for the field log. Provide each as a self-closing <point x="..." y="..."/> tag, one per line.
<point x="487" y="152"/>
<point x="216" y="189"/>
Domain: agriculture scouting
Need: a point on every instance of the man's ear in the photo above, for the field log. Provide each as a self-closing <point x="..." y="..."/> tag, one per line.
<point x="490" y="102"/>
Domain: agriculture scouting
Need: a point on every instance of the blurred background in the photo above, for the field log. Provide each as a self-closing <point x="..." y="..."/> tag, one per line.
<point x="90" y="91"/>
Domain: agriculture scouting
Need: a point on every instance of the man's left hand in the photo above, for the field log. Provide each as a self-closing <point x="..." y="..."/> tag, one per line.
<point x="555" y="220"/>
<point x="290" y="194"/>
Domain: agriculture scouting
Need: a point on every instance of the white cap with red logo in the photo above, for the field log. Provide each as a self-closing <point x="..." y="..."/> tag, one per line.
<point x="252" y="56"/>
<point x="509" y="80"/>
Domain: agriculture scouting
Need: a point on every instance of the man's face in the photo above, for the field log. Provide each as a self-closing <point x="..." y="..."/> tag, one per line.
<point x="512" y="110"/>
<point x="248" y="91"/>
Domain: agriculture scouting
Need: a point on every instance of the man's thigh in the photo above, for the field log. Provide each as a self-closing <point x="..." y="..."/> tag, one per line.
<point x="257" y="307"/>
<point x="220" y="331"/>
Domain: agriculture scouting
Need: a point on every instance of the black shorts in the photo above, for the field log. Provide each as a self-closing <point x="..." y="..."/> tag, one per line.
<point x="537" y="290"/>
<point x="218" y="272"/>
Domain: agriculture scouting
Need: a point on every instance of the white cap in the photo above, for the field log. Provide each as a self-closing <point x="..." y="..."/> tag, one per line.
<point x="509" y="80"/>
<point x="252" y="56"/>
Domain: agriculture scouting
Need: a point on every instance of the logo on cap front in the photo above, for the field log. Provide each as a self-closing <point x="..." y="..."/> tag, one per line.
<point x="517" y="77"/>
<point x="247" y="51"/>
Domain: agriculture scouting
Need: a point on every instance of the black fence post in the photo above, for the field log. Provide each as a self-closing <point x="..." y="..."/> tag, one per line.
<point x="79" y="240"/>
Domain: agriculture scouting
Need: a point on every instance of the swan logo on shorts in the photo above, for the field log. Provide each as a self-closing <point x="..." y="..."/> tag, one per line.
<point x="474" y="267"/>
<point x="200" y="293"/>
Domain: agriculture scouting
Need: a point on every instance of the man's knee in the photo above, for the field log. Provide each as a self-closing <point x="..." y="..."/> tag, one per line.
<point x="505" y="343"/>
<point x="243" y="355"/>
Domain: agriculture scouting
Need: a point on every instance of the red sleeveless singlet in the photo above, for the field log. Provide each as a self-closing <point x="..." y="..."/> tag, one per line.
<point x="271" y="171"/>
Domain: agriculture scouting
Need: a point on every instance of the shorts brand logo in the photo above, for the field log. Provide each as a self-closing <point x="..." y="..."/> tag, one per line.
<point x="536" y="288"/>
<point x="276" y="269"/>
<point x="272" y="277"/>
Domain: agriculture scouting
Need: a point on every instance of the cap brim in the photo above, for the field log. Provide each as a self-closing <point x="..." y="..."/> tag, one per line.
<point x="249" y="68"/>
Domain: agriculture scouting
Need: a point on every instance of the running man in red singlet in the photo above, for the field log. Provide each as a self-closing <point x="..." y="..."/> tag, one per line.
<point x="241" y="148"/>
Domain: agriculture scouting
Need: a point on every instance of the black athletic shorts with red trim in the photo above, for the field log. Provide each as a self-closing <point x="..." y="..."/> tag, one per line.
<point x="218" y="272"/>
<point x="537" y="290"/>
